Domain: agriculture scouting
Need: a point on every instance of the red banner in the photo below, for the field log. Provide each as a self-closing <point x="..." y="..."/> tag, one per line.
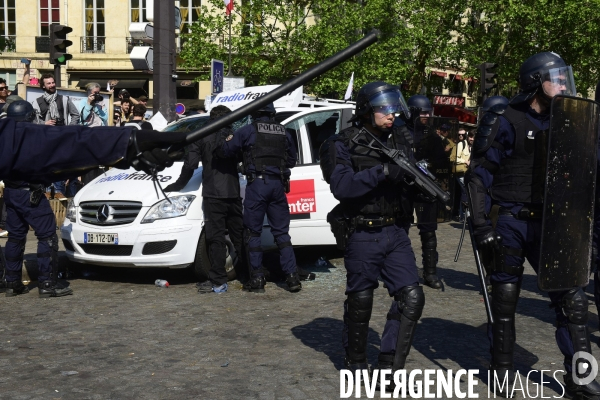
<point x="449" y="100"/>
<point x="301" y="198"/>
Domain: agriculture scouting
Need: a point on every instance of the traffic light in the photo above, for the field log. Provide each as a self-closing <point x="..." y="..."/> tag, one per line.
<point x="59" y="44"/>
<point x="488" y="78"/>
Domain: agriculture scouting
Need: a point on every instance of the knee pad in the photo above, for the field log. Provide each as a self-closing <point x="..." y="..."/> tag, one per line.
<point x="574" y="305"/>
<point x="410" y="302"/>
<point x="20" y="243"/>
<point x="428" y="240"/>
<point x="248" y="234"/>
<point x="359" y="306"/>
<point x="504" y="298"/>
<point x="283" y="241"/>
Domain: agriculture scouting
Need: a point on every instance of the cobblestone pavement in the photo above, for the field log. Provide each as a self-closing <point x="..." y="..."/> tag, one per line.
<point x="120" y="337"/>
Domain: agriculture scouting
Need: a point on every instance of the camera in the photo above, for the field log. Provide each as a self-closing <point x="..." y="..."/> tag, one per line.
<point x="126" y="95"/>
<point x="59" y="122"/>
<point x="98" y="98"/>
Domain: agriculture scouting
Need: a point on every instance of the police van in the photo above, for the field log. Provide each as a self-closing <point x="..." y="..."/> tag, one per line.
<point x="122" y="219"/>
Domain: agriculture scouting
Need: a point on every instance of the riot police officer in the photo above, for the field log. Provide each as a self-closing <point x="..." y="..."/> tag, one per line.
<point x="504" y="175"/>
<point x="27" y="206"/>
<point x="420" y="109"/>
<point x="268" y="153"/>
<point x="371" y="223"/>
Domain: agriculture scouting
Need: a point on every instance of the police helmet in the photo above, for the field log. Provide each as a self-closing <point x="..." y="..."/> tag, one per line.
<point x="265" y="111"/>
<point x="380" y="97"/>
<point x="20" y="111"/>
<point x="419" y="101"/>
<point x="544" y="67"/>
<point x="493" y="101"/>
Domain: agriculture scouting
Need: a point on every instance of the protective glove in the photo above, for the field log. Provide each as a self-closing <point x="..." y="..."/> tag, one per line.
<point x="152" y="151"/>
<point x="486" y="237"/>
<point x="393" y="172"/>
<point x="184" y="178"/>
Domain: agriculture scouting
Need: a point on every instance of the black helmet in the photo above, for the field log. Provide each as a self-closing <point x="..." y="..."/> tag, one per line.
<point x="493" y="101"/>
<point x="419" y="101"/>
<point x="20" y="111"/>
<point x="541" y="67"/>
<point x="382" y="95"/>
<point x="265" y="111"/>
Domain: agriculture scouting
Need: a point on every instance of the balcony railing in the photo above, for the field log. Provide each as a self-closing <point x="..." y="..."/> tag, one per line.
<point x="131" y="43"/>
<point x="92" y="44"/>
<point x="7" y="44"/>
<point x="42" y="44"/>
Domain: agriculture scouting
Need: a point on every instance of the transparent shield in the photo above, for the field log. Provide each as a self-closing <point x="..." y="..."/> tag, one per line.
<point x="565" y="249"/>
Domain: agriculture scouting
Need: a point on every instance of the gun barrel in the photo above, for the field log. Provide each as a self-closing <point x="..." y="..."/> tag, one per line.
<point x="287" y="87"/>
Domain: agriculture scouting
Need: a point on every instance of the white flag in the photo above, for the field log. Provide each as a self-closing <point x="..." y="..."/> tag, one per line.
<point x="348" y="94"/>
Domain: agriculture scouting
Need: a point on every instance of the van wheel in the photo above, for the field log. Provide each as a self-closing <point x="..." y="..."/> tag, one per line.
<point x="202" y="262"/>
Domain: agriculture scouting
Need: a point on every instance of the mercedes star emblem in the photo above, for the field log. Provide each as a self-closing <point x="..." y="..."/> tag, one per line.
<point x="103" y="213"/>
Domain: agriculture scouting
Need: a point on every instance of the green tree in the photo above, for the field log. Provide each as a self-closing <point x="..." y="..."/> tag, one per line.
<point x="508" y="32"/>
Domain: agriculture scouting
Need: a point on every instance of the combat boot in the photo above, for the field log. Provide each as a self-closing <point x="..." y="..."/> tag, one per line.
<point x="15" y="288"/>
<point x="591" y="391"/>
<point x="256" y="284"/>
<point x="430" y="258"/>
<point x="293" y="282"/>
<point x="53" y="289"/>
<point x="385" y="362"/>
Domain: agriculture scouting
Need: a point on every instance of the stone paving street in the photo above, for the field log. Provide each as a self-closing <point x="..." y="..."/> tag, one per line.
<point x="120" y="337"/>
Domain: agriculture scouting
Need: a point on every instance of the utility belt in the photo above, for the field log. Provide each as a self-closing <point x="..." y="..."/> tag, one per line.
<point x="252" y="176"/>
<point x="342" y="227"/>
<point x="36" y="190"/>
<point x="526" y="213"/>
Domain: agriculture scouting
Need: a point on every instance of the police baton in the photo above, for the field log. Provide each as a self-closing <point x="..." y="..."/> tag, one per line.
<point x="285" y="88"/>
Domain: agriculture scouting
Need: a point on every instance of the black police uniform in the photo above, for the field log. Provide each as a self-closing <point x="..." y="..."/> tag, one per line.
<point x="431" y="149"/>
<point x="371" y="223"/>
<point x="268" y="154"/>
<point x="508" y="171"/>
<point x="26" y="205"/>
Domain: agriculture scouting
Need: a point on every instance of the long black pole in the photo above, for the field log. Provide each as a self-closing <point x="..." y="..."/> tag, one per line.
<point x="285" y="88"/>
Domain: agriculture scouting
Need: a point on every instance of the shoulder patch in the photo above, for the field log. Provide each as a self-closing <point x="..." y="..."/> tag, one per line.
<point x="228" y="138"/>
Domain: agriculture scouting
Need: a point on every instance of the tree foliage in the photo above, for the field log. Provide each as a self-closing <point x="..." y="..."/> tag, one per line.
<point x="277" y="39"/>
<point x="508" y="32"/>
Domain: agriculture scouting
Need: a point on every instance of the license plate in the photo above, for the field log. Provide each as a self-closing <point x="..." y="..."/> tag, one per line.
<point x="101" y="238"/>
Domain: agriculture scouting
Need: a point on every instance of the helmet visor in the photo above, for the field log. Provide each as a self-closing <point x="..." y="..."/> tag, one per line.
<point x="389" y="101"/>
<point x="559" y="81"/>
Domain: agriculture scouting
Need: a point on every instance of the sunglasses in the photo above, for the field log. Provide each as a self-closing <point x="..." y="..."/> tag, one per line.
<point x="3" y="88"/>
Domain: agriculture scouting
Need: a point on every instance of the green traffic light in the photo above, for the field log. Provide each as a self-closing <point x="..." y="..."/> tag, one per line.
<point x="61" y="59"/>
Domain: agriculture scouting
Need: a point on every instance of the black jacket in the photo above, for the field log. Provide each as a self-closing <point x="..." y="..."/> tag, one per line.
<point x="220" y="177"/>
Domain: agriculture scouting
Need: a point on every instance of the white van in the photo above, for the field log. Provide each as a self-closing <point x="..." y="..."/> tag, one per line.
<point x="119" y="219"/>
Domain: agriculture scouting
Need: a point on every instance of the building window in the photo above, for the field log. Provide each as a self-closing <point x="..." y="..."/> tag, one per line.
<point x="49" y="14"/>
<point x="137" y="10"/>
<point x="190" y="12"/>
<point x="8" y="26"/>
<point x="95" y="32"/>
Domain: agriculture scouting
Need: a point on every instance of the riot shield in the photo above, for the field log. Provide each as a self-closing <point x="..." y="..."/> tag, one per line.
<point x="435" y="140"/>
<point x="566" y="243"/>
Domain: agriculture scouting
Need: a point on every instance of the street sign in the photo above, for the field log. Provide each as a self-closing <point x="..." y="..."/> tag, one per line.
<point x="179" y="108"/>
<point x="233" y="82"/>
<point x="216" y="76"/>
